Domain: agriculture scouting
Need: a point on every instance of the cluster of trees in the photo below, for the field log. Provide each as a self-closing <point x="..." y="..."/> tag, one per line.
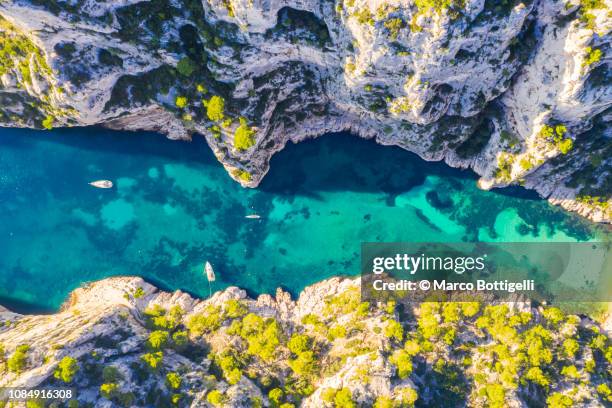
<point x="595" y="201"/>
<point x="18" y="54"/>
<point x="66" y="369"/>
<point x="438" y="5"/>
<point x="504" y="166"/>
<point x="18" y="362"/>
<point x="552" y="137"/>
<point x="586" y="11"/>
<point x="592" y="56"/>
<point x="340" y="398"/>
<point x="244" y="135"/>
<point x="17" y="51"/>
<point x="555" y="137"/>
<point x="460" y="352"/>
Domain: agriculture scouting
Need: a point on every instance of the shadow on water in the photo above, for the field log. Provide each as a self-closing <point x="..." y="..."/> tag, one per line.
<point x="335" y="162"/>
<point x="98" y="139"/>
<point x="517" y="192"/>
<point x="18" y="306"/>
<point x="345" y="162"/>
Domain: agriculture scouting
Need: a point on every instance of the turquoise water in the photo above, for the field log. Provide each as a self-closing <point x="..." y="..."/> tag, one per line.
<point x="174" y="207"/>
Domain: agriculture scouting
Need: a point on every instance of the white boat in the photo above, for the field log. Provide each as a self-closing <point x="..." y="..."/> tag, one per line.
<point x="102" y="184"/>
<point x="253" y="216"/>
<point x="210" y="273"/>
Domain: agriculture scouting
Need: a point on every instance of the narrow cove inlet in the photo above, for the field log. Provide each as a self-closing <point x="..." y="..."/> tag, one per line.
<point x="173" y="207"/>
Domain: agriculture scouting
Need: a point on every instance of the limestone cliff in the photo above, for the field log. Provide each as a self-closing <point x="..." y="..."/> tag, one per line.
<point x="519" y="91"/>
<point x="121" y="342"/>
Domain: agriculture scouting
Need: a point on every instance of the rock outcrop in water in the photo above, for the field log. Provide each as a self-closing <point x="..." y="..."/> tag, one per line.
<point x="121" y="342"/>
<point x="517" y="90"/>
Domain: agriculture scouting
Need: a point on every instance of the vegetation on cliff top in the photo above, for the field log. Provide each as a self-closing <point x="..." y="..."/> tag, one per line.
<point x="436" y="354"/>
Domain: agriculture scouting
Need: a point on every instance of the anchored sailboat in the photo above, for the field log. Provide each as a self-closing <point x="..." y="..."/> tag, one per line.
<point x="210" y="276"/>
<point x="102" y="184"/>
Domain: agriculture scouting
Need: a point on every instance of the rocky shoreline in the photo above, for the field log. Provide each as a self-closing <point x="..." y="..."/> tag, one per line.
<point x="122" y="342"/>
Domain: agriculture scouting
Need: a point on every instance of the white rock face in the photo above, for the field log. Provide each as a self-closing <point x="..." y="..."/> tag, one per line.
<point x="475" y="85"/>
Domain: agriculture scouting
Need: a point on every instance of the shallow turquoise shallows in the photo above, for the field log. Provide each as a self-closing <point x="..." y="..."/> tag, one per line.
<point x="173" y="207"/>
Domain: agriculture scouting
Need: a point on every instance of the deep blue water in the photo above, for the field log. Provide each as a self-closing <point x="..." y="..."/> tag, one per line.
<point x="174" y="207"/>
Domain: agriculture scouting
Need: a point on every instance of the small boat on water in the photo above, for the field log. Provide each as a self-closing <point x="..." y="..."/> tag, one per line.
<point x="210" y="273"/>
<point x="210" y="276"/>
<point x="253" y="216"/>
<point x="102" y="184"/>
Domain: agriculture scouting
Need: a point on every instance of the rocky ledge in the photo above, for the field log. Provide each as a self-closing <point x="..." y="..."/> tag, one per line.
<point x="517" y="90"/>
<point x="122" y="342"/>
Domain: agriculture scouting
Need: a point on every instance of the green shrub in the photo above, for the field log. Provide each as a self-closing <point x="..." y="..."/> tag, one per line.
<point x="109" y="390"/>
<point x="593" y="55"/>
<point x="336" y="332"/>
<point x="558" y="400"/>
<point x="158" y="339"/>
<point x="304" y="364"/>
<point x="537" y="376"/>
<point x="215" y="107"/>
<point x="19" y="360"/>
<point x="35" y="403"/>
<point x="216" y="398"/>
<point x="276" y="396"/>
<point x="66" y="369"/>
<point x="394" y="25"/>
<point x="565" y="145"/>
<point x="299" y="343"/>
<point x="504" y="166"/>
<point x="496" y="396"/>
<point x="553" y="315"/>
<point x="570" y="347"/>
<point x="242" y="175"/>
<point x="244" y="136"/>
<point x="207" y="321"/>
<point x="186" y="66"/>
<point x="229" y="366"/>
<point x="138" y="293"/>
<point x="344" y="399"/>
<point x="526" y="163"/>
<point x="235" y="309"/>
<point x="180" y="339"/>
<point x="47" y="123"/>
<point x="181" y="102"/>
<point x="161" y="319"/>
<point x="176" y="398"/>
<point x="364" y="16"/>
<point x="262" y="336"/>
<point x="173" y="380"/>
<point x="570" y="371"/>
<point x="153" y="360"/>
<point x="384" y="402"/>
<point x="438" y="5"/>
<point x="555" y="138"/>
<point x="604" y="391"/>
<point x="394" y="330"/>
<point x="111" y="374"/>
<point x="403" y="361"/>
